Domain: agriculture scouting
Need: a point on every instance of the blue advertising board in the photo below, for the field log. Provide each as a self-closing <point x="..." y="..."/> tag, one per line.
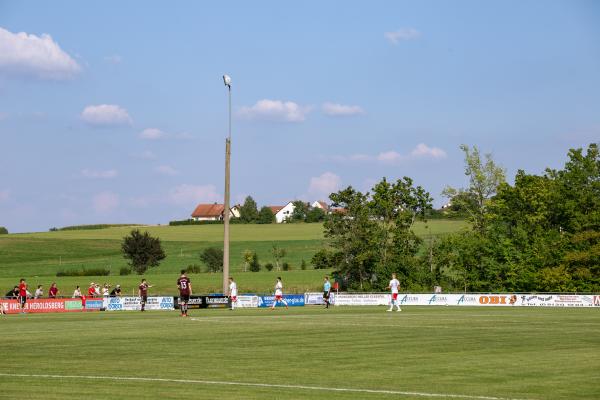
<point x="293" y="300"/>
<point x="94" y="303"/>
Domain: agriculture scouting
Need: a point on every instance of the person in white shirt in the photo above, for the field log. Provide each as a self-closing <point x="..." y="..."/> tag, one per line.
<point x="232" y="293"/>
<point x="106" y="290"/>
<point x="39" y="292"/>
<point x="394" y="285"/>
<point x="77" y="293"/>
<point x="279" y="294"/>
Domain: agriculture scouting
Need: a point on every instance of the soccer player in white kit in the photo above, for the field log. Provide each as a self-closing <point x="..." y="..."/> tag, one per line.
<point x="279" y="294"/>
<point x="232" y="293"/>
<point x="394" y="285"/>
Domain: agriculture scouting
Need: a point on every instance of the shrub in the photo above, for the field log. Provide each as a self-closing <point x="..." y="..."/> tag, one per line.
<point x="254" y="264"/>
<point x="303" y="265"/>
<point x="84" y="272"/>
<point x="286" y="266"/>
<point x="125" y="271"/>
<point x="3" y="231"/>
<point x="269" y="267"/>
<point x="212" y="257"/>
<point x="193" y="269"/>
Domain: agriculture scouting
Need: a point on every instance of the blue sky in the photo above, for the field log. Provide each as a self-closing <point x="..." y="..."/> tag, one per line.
<point x="115" y="111"/>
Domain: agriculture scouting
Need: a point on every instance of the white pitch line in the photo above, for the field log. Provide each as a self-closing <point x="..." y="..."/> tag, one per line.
<point x="262" y="385"/>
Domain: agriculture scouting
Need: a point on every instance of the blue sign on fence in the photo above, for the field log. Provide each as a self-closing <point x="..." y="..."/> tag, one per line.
<point x="293" y="300"/>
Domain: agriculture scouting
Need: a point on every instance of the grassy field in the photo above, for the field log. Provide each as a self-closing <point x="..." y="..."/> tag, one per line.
<point x="39" y="256"/>
<point x="305" y="353"/>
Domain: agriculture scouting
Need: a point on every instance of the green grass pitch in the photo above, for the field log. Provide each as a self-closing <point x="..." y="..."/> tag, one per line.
<point x="304" y="353"/>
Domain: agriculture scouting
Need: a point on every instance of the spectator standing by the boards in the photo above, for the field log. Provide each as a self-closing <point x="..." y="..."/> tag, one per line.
<point x="53" y="291"/>
<point x="326" y="291"/>
<point x="39" y="292"/>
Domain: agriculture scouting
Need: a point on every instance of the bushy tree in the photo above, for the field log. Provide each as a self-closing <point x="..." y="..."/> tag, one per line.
<point x="212" y="257"/>
<point x="300" y="212"/>
<point x="484" y="179"/>
<point x="278" y="254"/>
<point x="3" y="231"/>
<point x="315" y="214"/>
<point x="142" y="250"/>
<point x="266" y="216"/>
<point x="249" y="211"/>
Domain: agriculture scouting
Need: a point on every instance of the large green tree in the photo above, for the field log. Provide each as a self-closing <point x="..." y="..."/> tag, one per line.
<point x="142" y="250"/>
<point x="266" y="216"/>
<point x="484" y="178"/>
<point x="374" y="236"/>
<point x="249" y="211"/>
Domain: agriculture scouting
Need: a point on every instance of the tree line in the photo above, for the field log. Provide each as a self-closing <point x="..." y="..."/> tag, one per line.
<point x="539" y="234"/>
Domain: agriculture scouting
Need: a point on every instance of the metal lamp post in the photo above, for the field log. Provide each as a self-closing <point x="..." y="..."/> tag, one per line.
<point x="226" y="208"/>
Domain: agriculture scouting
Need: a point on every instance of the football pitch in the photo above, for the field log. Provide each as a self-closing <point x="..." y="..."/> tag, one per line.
<point x="304" y="353"/>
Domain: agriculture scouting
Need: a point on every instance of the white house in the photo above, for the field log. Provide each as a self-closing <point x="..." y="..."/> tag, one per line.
<point x="284" y="212"/>
<point x="213" y="212"/>
<point x="322" y="205"/>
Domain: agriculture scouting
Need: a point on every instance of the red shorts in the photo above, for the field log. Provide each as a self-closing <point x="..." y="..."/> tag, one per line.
<point x="233" y="299"/>
<point x="278" y="297"/>
<point x="394" y="296"/>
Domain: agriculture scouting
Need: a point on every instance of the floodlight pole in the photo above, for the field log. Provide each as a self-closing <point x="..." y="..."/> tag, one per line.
<point x="226" y="208"/>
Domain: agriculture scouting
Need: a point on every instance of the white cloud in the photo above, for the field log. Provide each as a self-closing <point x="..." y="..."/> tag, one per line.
<point x="190" y="195"/>
<point x="105" y="202"/>
<point x="402" y="34"/>
<point x="28" y="55"/>
<point x="390" y="157"/>
<point x="94" y="174"/>
<point x="275" y="110"/>
<point x="166" y="170"/>
<point x="113" y="59"/>
<point x="422" y="150"/>
<point x="324" y="185"/>
<point x="152" y="134"/>
<point x="105" y="115"/>
<point x="334" y="109"/>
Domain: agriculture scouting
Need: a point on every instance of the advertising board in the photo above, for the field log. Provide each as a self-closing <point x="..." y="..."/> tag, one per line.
<point x="12" y="306"/>
<point x="360" y="299"/>
<point x="293" y="300"/>
<point x="315" y="298"/>
<point x="247" y="301"/>
<point x="467" y="299"/>
<point x="133" y="303"/>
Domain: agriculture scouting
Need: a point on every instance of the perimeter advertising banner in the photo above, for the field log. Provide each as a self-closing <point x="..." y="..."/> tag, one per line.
<point x="134" y="303"/>
<point x="12" y="306"/>
<point x="452" y="299"/>
<point x="293" y="300"/>
<point x="245" y="301"/>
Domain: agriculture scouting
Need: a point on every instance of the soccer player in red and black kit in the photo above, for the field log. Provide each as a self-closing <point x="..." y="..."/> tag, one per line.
<point x="185" y="291"/>
<point x="143" y="292"/>
<point x="22" y="294"/>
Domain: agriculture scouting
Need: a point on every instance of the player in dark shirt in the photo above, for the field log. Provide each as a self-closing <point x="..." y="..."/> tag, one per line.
<point x="143" y="292"/>
<point x="185" y="290"/>
<point x="116" y="291"/>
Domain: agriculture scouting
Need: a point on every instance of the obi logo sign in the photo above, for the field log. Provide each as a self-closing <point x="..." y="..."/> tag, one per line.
<point x="493" y="300"/>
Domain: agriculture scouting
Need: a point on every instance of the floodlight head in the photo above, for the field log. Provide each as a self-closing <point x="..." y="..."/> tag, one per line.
<point x="227" y="80"/>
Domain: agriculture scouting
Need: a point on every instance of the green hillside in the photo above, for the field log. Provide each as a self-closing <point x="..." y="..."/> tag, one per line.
<point x="38" y="256"/>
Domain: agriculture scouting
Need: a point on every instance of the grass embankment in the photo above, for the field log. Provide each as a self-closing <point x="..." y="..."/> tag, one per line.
<point x="38" y="256"/>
